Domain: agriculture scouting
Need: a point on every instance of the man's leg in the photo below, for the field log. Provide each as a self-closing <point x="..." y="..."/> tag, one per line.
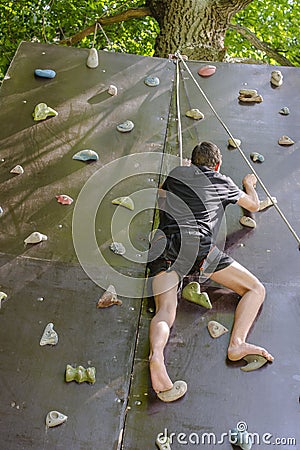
<point x="165" y="294"/>
<point x="244" y="283"/>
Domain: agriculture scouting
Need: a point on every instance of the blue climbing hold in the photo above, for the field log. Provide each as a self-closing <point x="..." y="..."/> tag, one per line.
<point x="240" y="438"/>
<point x="151" y="81"/>
<point x="86" y="155"/>
<point x="45" y="73"/>
<point x="1" y="211"/>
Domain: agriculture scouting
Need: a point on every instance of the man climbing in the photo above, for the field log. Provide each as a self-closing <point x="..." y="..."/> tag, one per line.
<point x="196" y="198"/>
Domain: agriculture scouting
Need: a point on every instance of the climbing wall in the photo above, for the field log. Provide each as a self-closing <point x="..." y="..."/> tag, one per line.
<point x="45" y="282"/>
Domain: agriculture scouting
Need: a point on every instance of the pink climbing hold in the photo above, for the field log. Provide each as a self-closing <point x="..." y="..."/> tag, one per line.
<point x="207" y="71"/>
<point x="64" y="199"/>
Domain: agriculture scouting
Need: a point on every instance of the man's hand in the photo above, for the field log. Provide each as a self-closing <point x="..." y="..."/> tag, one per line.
<point x="249" y="180"/>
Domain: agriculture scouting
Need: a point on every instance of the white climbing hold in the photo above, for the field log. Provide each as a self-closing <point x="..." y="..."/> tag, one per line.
<point x="112" y="89"/>
<point x="92" y="60"/>
<point x="49" y="337"/>
<point x="55" y="418"/>
<point x="266" y="203"/>
<point x="17" y="170"/>
<point x="234" y="142"/>
<point x="216" y="329"/>
<point x="276" y="78"/>
<point x="35" y="238"/>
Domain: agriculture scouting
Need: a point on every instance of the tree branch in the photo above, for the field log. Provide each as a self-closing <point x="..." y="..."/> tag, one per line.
<point x="260" y="45"/>
<point x="133" y="13"/>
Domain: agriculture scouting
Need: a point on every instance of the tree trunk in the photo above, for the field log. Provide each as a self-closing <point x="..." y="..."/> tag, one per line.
<point x="196" y="28"/>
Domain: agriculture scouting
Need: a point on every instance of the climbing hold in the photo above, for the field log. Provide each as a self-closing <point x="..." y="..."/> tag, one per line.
<point x="192" y="293"/>
<point x="86" y="155"/>
<point x="194" y="114"/>
<point x="1" y="211"/>
<point x="240" y="438"/>
<point x="285" y="140"/>
<point x="42" y="111"/>
<point x="45" y="73"/>
<point x="80" y="374"/>
<point x="177" y="391"/>
<point x="17" y="170"/>
<point x="250" y="95"/>
<point x="207" y="71"/>
<point x="35" y="238"/>
<point x="92" y="60"/>
<point x="151" y="81"/>
<point x="64" y="199"/>
<point x="112" y="89"/>
<point x="216" y="329"/>
<point x="117" y="248"/>
<point x="247" y="222"/>
<point x="257" y="157"/>
<point x="109" y="298"/>
<point x="126" y="126"/>
<point x="49" y="337"/>
<point x="276" y="78"/>
<point x="3" y="296"/>
<point x="55" y="418"/>
<point x="263" y="204"/>
<point x="284" y="111"/>
<point x="127" y="202"/>
<point x="234" y="142"/>
<point x="253" y="362"/>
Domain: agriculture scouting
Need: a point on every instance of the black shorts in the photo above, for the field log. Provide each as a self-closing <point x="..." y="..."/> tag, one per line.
<point x="195" y="255"/>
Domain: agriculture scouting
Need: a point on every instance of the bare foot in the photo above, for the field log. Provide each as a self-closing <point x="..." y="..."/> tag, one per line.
<point x="238" y="351"/>
<point x="159" y="376"/>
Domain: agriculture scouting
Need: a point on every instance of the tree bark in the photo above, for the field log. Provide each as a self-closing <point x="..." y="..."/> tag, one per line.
<point x="195" y="27"/>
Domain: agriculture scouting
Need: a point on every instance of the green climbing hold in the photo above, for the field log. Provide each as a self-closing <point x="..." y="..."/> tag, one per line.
<point x="253" y="362"/>
<point x="42" y="111"/>
<point x="127" y="202"/>
<point x="80" y="374"/>
<point x="192" y="293"/>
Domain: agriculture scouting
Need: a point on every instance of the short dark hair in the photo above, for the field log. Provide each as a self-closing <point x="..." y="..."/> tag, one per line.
<point x="206" y="154"/>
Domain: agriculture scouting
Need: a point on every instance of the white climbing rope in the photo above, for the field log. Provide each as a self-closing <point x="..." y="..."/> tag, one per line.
<point x="179" y="129"/>
<point x="178" y="56"/>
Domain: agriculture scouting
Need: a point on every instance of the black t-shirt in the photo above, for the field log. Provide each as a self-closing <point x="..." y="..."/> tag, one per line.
<point x="196" y="199"/>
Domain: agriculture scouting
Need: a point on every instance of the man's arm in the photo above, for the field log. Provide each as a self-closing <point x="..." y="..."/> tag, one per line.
<point x="249" y="200"/>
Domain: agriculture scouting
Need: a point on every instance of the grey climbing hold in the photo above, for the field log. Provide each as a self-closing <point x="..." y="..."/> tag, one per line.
<point x="42" y="111"/>
<point x="250" y="96"/>
<point x="152" y="81"/>
<point x="247" y="222"/>
<point x="92" y="60"/>
<point x="263" y="204"/>
<point x="45" y="73"/>
<point x="216" y="329"/>
<point x="86" y="155"/>
<point x="285" y="140"/>
<point x="55" y="418"/>
<point x="253" y="362"/>
<point x="117" y="248"/>
<point x="49" y="337"/>
<point x="194" y="114"/>
<point x="126" y="126"/>
<point x="284" y="111"/>
<point x="257" y="157"/>
<point x="276" y="78"/>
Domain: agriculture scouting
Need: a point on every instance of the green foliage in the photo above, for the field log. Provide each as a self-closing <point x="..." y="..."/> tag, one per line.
<point x="52" y="20"/>
<point x="275" y="23"/>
